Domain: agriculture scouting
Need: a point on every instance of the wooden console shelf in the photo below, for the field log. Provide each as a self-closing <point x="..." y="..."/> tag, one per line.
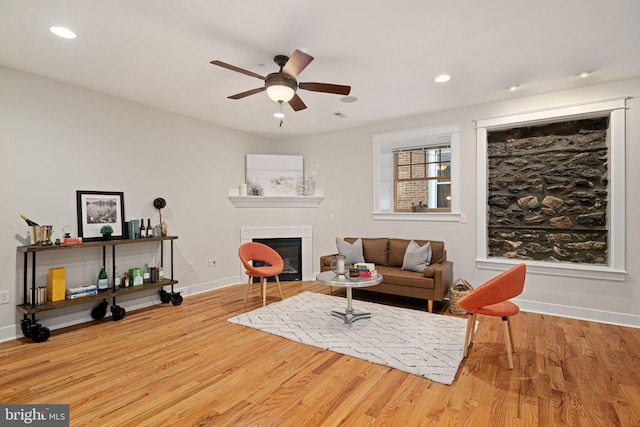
<point x="38" y="333"/>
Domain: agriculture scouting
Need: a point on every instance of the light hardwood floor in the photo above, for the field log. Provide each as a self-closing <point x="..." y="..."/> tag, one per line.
<point x="188" y="366"/>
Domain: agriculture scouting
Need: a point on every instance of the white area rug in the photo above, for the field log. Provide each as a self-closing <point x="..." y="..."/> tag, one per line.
<point x="420" y="343"/>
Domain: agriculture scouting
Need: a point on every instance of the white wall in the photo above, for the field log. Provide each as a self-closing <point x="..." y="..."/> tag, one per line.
<point x="347" y="155"/>
<point x="56" y="139"/>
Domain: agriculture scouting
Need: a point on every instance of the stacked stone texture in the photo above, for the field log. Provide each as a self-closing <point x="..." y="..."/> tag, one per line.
<point x="547" y="192"/>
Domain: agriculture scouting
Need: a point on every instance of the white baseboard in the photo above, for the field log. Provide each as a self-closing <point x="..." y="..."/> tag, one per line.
<point x="589" y="314"/>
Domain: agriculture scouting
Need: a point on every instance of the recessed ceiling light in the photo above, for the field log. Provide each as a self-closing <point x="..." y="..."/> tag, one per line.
<point x="63" y="32"/>
<point x="348" y="99"/>
<point x="513" y="87"/>
<point x="443" y="78"/>
<point x="584" y="74"/>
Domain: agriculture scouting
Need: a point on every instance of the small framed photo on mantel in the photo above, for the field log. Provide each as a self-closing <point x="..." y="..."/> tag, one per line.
<point x="97" y="209"/>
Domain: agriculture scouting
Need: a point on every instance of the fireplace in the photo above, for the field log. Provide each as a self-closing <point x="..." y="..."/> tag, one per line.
<point x="302" y="234"/>
<point x="290" y="250"/>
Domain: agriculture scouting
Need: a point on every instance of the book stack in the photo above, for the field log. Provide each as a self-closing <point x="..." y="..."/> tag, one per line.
<point x="366" y="269"/>
<point x="81" y="292"/>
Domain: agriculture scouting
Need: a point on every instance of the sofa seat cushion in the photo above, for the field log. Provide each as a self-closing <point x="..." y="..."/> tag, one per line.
<point x="397" y="276"/>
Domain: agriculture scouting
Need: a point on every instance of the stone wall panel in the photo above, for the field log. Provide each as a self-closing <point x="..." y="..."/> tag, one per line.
<point x="547" y="192"/>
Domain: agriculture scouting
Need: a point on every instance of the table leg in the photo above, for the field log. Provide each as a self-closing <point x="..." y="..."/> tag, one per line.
<point x="349" y="316"/>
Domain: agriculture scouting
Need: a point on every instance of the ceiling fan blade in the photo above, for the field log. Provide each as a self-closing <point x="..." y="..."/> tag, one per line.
<point x="296" y="103"/>
<point x="237" y="69"/>
<point x="247" y="93"/>
<point x="297" y="62"/>
<point x="326" y="87"/>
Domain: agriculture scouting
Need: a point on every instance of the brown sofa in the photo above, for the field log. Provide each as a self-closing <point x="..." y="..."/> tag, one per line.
<point x="388" y="254"/>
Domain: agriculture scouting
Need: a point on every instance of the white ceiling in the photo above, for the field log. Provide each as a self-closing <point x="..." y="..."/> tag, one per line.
<point x="157" y="53"/>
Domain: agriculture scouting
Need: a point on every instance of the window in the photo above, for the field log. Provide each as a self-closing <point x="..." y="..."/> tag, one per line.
<point x="414" y="166"/>
<point x="422" y="180"/>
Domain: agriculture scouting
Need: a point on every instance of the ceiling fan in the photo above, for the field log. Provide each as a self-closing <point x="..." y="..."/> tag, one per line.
<point x="281" y="86"/>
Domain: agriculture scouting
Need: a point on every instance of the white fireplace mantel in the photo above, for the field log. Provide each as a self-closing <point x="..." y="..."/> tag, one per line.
<point x="275" y="201"/>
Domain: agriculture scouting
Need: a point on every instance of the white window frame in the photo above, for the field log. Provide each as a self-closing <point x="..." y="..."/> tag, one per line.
<point x="616" y="109"/>
<point x="383" y="170"/>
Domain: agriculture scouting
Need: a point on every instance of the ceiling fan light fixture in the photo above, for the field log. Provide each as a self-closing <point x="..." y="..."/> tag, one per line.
<point x="280" y="93"/>
<point x="280" y="88"/>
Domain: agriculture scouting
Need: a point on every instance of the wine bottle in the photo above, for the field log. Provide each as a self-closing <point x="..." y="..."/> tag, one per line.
<point x="146" y="274"/>
<point x="143" y="229"/>
<point x="149" y="229"/>
<point x="103" y="281"/>
<point x="28" y="221"/>
<point x="117" y="282"/>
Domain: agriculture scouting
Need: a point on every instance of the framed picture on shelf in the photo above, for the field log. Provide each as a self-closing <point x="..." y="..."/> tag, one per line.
<point x="97" y="209"/>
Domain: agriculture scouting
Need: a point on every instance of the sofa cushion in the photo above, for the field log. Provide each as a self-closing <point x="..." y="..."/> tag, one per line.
<point x="376" y="250"/>
<point x="417" y="258"/>
<point x="351" y="250"/>
<point x="396" y="276"/>
<point x="398" y="247"/>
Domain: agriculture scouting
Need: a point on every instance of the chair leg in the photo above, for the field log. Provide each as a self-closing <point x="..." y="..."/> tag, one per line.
<point x="279" y="289"/>
<point x="470" y="325"/>
<point x="473" y="329"/>
<point x="513" y="344"/>
<point x="507" y="340"/>
<point x="430" y="305"/>
<point x="264" y="291"/>
<point x="246" y="295"/>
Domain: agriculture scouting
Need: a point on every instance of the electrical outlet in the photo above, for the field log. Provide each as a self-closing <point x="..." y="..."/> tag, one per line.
<point x="211" y="263"/>
<point x="463" y="218"/>
<point x="5" y="298"/>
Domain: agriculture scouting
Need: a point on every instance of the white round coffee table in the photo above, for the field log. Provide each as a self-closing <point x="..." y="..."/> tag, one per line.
<point x="332" y="279"/>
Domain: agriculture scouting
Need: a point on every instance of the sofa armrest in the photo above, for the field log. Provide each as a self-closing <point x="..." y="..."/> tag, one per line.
<point x="443" y="278"/>
<point x="325" y="262"/>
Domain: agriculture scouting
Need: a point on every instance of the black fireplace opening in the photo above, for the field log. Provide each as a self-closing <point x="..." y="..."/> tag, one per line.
<point x="290" y="250"/>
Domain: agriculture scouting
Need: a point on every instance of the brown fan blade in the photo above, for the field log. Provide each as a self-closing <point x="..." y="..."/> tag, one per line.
<point x="297" y="62"/>
<point x="247" y="93"/>
<point x="237" y="69"/>
<point x="296" y="103"/>
<point x="326" y="87"/>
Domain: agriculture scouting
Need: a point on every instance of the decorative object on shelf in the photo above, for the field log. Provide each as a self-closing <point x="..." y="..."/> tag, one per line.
<point x="242" y="190"/>
<point x="340" y="265"/>
<point x="98" y="208"/>
<point x="160" y="203"/>
<point x="309" y="186"/>
<point x="419" y="207"/>
<point x="106" y="232"/>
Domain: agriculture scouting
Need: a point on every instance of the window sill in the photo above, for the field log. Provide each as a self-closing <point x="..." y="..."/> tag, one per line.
<point x="275" y="201"/>
<point x="555" y="269"/>
<point x="417" y="216"/>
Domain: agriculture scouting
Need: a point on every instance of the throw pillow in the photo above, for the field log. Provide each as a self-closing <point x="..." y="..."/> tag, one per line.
<point x="417" y="258"/>
<point x="353" y="252"/>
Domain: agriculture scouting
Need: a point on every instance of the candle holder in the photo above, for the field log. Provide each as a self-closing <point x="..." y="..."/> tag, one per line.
<point x="340" y="266"/>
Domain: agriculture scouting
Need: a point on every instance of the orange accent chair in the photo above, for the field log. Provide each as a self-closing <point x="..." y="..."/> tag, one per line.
<point x="253" y="251"/>
<point x="491" y="299"/>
